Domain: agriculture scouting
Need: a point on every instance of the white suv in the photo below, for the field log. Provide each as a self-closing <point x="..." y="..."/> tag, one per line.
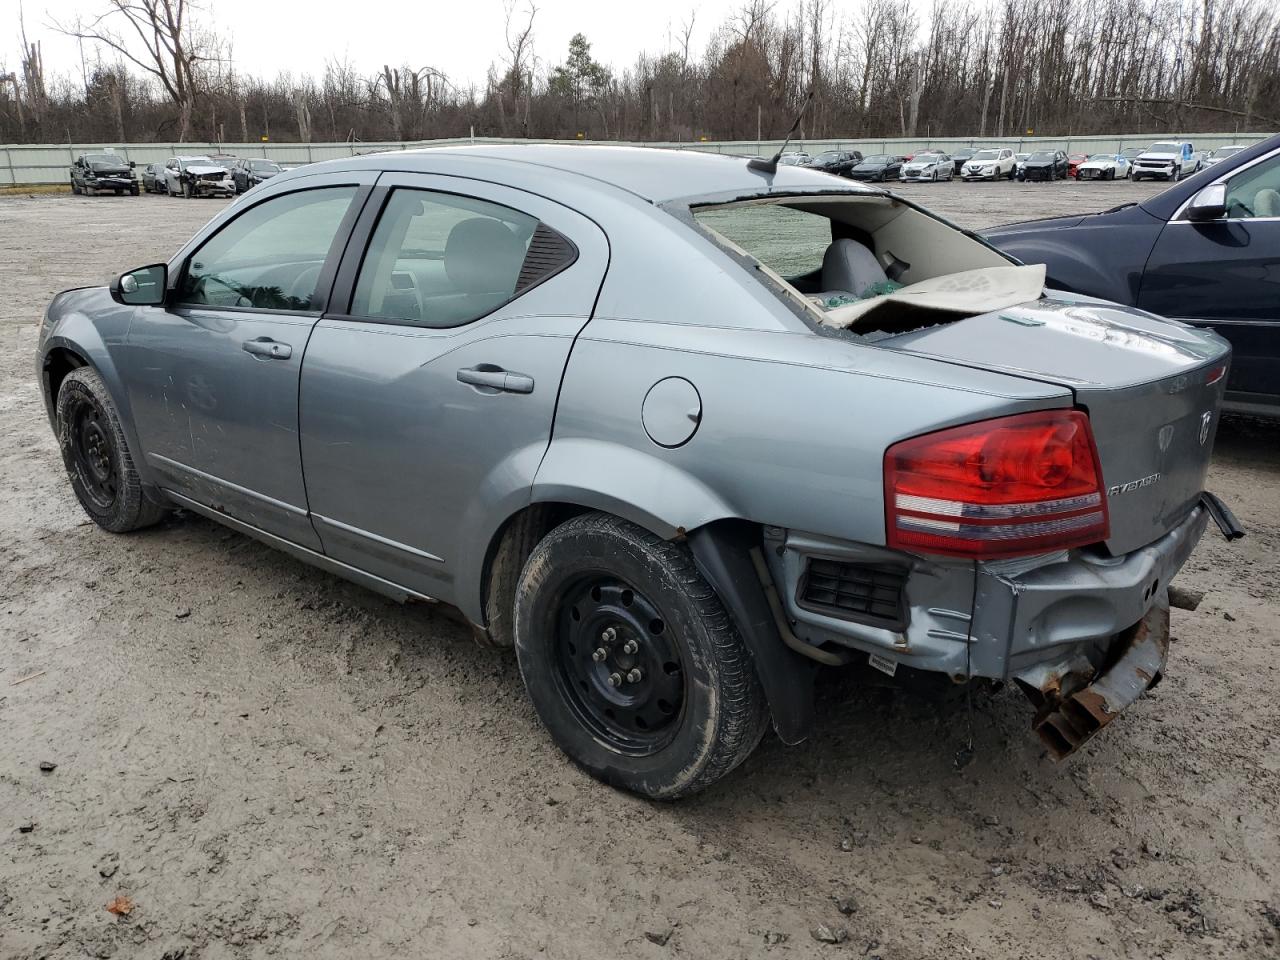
<point x="990" y="164"/>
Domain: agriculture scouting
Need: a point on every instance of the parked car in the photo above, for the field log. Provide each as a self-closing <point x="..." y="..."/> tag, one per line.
<point x="1073" y="164"/>
<point x="670" y="519"/>
<point x="1044" y="165"/>
<point x="197" y="177"/>
<point x="1103" y="166"/>
<point x="94" y="173"/>
<point x="248" y="172"/>
<point x="837" y="162"/>
<point x="992" y="163"/>
<point x="960" y="156"/>
<point x="1165" y="160"/>
<point x="795" y="158"/>
<point x="1205" y="251"/>
<point x="878" y="168"/>
<point x="152" y="178"/>
<point x="928" y="165"/>
<point x="1220" y="154"/>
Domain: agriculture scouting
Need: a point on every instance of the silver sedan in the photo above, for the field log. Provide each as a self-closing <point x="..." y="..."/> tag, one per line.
<point x="678" y="428"/>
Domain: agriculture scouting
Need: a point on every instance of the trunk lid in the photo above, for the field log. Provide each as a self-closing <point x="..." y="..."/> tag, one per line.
<point x="1152" y="389"/>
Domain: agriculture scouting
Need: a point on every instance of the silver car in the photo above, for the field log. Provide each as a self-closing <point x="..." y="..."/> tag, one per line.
<point x="928" y="166"/>
<point x="593" y="398"/>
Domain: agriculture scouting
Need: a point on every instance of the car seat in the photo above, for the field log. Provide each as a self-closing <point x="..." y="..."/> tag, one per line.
<point x="849" y="269"/>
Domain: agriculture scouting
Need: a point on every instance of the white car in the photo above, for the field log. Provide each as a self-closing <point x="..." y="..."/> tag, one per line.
<point x="795" y="158"/>
<point x="1165" y="160"/>
<point x="197" y="177"/>
<point x="1220" y="154"/>
<point x="1104" y="166"/>
<point x="928" y="166"/>
<point x="990" y="164"/>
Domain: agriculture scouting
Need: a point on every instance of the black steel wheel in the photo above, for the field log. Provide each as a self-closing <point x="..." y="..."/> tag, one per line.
<point x="618" y="665"/>
<point x="631" y="661"/>
<point x="97" y="458"/>
<point x="92" y="452"/>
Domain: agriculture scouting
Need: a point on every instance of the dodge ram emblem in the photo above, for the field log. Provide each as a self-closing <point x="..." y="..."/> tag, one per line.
<point x="1206" y="418"/>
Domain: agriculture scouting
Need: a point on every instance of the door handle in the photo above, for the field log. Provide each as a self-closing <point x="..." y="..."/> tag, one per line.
<point x="490" y="377"/>
<point x="266" y="347"/>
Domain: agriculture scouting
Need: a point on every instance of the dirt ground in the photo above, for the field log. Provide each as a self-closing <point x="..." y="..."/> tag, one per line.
<point x="268" y="761"/>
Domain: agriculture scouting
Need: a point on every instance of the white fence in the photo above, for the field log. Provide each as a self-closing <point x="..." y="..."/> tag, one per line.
<point x="22" y="164"/>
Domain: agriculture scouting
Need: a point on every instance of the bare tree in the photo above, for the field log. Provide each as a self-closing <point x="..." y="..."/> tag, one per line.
<point x="158" y="37"/>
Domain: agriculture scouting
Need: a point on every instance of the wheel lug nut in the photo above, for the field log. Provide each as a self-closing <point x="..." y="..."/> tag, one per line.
<point x="609" y="635"/>
<point x="630" y="647"/>
<point x="634" y="675"/>
<point x="615" y="679"/>
<point x="599" y="654"/>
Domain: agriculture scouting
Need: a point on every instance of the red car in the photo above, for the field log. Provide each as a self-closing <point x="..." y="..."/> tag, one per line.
<point x="1073" y="161"/>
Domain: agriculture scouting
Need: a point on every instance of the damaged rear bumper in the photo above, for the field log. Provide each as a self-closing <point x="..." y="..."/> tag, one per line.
<point x="1073" y="702"/>
<point x="1082" y="633"/>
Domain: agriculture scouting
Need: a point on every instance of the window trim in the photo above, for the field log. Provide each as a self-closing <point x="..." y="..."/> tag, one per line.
<point x="328" y="268"/>
<point x="348" y="277"/>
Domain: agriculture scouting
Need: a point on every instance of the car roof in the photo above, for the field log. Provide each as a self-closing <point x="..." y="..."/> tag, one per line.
<point x="654" y="174"/>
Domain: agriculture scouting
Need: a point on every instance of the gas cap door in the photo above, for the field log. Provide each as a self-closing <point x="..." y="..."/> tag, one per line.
<point x="671" y="412"/>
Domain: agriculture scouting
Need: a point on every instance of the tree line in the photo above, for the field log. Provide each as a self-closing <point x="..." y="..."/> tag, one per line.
<point x="154" y="70"/>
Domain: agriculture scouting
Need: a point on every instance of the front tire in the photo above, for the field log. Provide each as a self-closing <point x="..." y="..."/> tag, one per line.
<point x="631" y="661"/>
<point x="96" y="455"/>
<point x="187" y="192"/>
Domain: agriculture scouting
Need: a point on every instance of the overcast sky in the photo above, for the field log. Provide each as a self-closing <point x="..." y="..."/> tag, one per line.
<point x="460" y="37"/>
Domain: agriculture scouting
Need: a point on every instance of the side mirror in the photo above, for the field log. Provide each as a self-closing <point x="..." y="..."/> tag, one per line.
<point x="132" y="164"/>
<point x="144" y="287"/>
<point x="1209" y="204"/>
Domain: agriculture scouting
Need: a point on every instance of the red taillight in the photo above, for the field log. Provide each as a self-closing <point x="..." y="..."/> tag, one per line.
<point x="1215" y="374"/>
<point x="1018" y="485"/>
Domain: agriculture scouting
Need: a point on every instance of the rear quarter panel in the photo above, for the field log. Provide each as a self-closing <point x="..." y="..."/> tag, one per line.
<point x="792" y="433"/>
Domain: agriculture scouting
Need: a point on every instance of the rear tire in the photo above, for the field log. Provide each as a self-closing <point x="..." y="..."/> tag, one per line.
<point x="665" y="718"/>
<point x="96" y="455"/>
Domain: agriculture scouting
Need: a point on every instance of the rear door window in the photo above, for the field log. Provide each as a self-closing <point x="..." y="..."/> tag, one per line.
<point x="442" y="259"/>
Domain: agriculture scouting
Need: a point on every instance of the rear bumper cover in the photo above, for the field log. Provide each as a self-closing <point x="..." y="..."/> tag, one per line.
<point x="995" y="620"/>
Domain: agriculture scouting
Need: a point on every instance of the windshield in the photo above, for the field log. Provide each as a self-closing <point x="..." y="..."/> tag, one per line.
<point x="986" y="155"/>
<point x="264" y="166"/>
<point x="1041" y="155"/>
<point x="927" y="157"/>
<point x="879" y="158"/>
<point x="1225" y="152"/>
<point x="102" y="158"/>
<point x="1099" y="156"/>
<point x="1165" y="148"/>
<point x="187" y="161"/>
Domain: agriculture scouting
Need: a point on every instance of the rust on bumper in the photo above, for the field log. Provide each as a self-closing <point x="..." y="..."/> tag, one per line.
<point x="1072" y="708"/>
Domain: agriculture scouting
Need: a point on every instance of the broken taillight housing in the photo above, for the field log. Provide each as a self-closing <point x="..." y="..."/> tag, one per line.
<point x="1018" y="485"/>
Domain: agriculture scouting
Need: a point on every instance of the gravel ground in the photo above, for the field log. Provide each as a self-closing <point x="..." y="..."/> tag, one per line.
<point x="268" y="761"/>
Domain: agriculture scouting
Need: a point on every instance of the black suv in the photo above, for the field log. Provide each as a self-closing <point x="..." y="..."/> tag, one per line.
<point x="102" y="172"/>
<point x="1206" y="251"/>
